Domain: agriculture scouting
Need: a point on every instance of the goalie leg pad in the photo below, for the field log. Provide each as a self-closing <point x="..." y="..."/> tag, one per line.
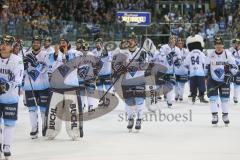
<point x="55" y="115"/>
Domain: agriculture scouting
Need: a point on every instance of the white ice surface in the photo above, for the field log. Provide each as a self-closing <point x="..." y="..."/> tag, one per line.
<point x="107" y="138"/>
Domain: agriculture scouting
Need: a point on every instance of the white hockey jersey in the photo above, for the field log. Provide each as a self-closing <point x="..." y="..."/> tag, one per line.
<point x="11" y="70"/>
<point x="169" y="56"/>
<point x="181" y="70"/>
<point x="236" y="55"/>
<point x="135" y="73"/>
<point x="195" y="62"/>
<point x="232" y="50"/>
<point x="52" y="60"/>
<point x="39" y="75"/>
<point x="217" y="62"/>
<point x="106" y="59"/>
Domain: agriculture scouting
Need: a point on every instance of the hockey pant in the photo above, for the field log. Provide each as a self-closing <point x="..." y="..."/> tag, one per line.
<point x="222" y="91"/>
<point x="236" y="82"/>
<point x="197" y="83"/>
<point x="41" y="97"/>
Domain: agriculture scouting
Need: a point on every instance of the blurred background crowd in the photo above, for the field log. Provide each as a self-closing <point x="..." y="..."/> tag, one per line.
<point x="88" y="18"/>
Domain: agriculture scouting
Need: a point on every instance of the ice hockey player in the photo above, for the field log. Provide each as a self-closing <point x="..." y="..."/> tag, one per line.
<point x="133" y="85"/>
<point x="104" y="77"/>
<point x="52" y="60"/>
<point x="170" y="57"/>
<point x="64" y="52"/>
<point x="221" y="67"/>
<point x="180" y="72"/>
<point x="88" y="87"/>
<point x="195" y="63"/>
<point x="79" y="43"/>
<point x="232" y="49"/>
<point x="17" y="50"/>
<point x="36" y="85"/>
<point x="11" y="75"/>
<point x="236" y="78"/>
<point x="47" y="45"/>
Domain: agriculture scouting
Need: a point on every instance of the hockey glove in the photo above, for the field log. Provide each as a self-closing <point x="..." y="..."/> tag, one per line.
<point x="228" y="78"/>
<point x="4" y="86"/>
<point x="30" y="59"/>
<point x="172" y="54"/>
<point x="177" y="62"/>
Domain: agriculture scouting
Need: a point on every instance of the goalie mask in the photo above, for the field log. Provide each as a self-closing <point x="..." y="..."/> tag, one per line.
<point x="85" y="46"/>
<point x="79" y="43"/>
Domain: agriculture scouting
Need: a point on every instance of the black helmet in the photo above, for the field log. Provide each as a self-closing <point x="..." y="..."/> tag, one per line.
<point x="8" y="39"/>
<point x="80" y="40"/>
<point x="132" y="36"/>
<point x="218" y="40"/>
<point x="49" y="39"/>
<point x="99" y="40"/>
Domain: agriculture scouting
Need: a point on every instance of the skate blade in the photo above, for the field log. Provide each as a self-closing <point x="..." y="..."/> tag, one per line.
<point x="137" y="131"/>
<point x="215" y="125"/>
<point x="7" y="158"/>
<point x="129" y="130"/>
<point x="226" y="125"/>
<point x="34" y="137"/>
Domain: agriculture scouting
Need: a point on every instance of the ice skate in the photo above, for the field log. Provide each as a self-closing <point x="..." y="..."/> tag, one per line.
<point x="214" y="119"/>
<point x="138" y="125"/>
<point x="34" y="133"/>
<point x="6" y="152"/>
<point x="130" y="124"/>
<point x="225" y="119"/>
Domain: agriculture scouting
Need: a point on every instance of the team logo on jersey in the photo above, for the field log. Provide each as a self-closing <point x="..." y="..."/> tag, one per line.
<point x="132" y="70"/>
<point x="83" y="71"/>
<point x="34" y="74"/>
<point x="63" y="70"/>
<point x="219" y="72"/>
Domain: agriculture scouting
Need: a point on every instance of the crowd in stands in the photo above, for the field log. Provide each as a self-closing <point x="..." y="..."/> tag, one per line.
<point x="60" y="17"/>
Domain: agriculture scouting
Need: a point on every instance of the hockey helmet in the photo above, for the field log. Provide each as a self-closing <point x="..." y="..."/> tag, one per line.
<point x="8" y="39"/>
<point x="218" y="40"/>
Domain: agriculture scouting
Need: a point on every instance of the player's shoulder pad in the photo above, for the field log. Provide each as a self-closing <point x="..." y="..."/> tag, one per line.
<point x="90" y="53"/>
<point x="229" y="54"/>
<point x="16" y="59"/>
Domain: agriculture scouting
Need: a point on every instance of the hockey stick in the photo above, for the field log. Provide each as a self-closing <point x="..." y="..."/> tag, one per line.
<point x="34" y="98"/>
<point x="80" y="113"/>
<point x="115" y="81"/>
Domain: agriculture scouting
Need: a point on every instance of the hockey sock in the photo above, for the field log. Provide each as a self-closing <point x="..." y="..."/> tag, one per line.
<point x="214" y="104"/>
<point x="33" y="113"/>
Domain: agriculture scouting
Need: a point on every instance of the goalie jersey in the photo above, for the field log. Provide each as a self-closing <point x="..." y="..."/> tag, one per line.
<point x="11" y="71"/>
